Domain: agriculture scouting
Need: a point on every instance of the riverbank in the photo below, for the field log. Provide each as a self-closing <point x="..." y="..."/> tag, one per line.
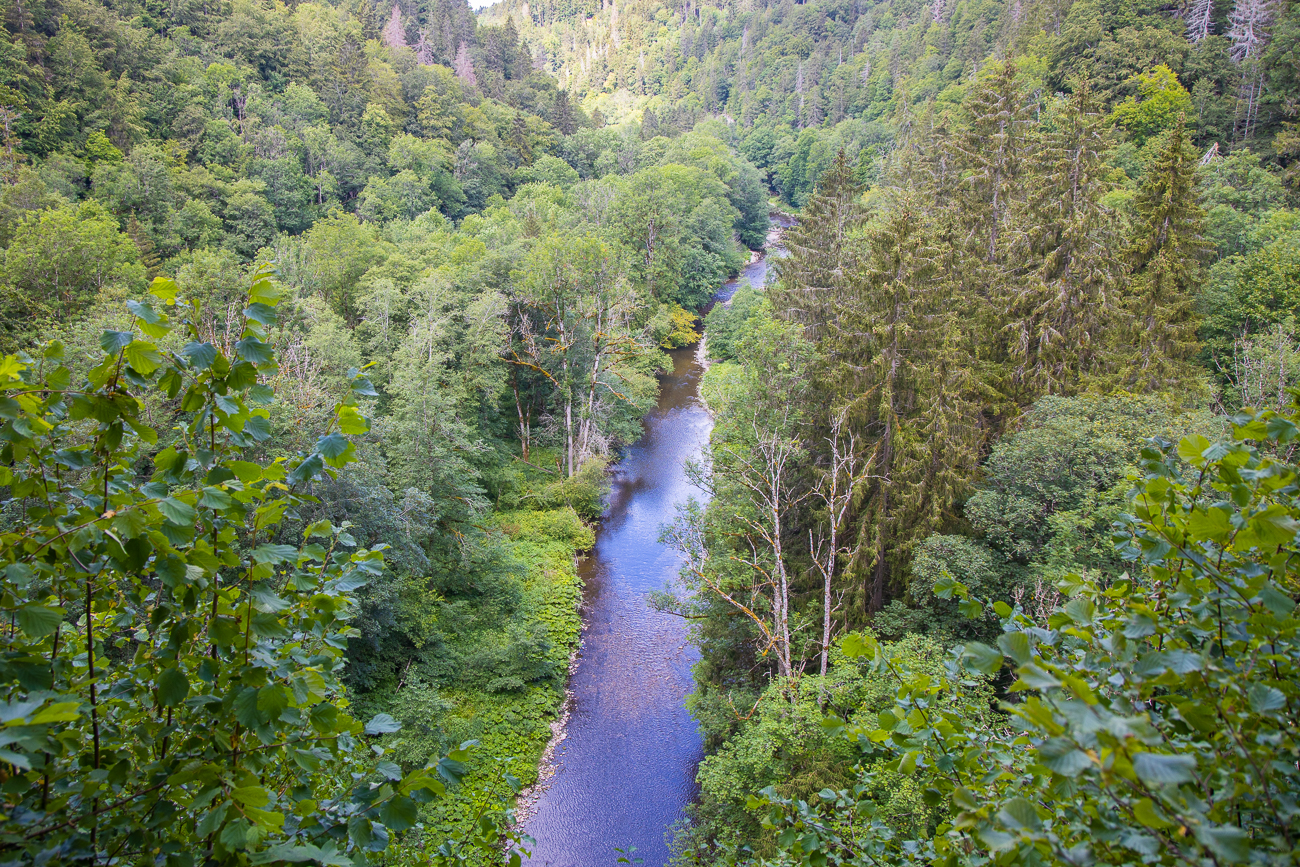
<point x="515" y="725"/>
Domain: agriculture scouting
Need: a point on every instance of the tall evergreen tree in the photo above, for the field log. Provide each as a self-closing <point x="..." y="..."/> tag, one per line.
<point x="813" y="277"/>
<point x="902" y="343"/>
<point x="1166" y="257"/>
<point x="989" y="153"/>
<point x="1058" y="323"/>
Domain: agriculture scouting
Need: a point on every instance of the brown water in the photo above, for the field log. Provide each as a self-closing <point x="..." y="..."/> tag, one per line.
<point x="626" y="770"/>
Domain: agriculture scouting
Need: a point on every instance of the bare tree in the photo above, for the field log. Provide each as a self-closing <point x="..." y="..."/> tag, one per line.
<point x="1200" y="19"/>
<point x="464" y="66"/>
<point x="835" y="490"/>
<point x="1262" y="370"/>
<point x="394" y="34"/>
<point x="424" y="49"/>
<point x="766" y="471"/>
<point x="1249" y="34"/>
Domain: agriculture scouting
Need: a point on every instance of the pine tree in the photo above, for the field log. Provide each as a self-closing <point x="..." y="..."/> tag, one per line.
<point x="1058" y="323"/>
<point x="989" y="154"/>
<point x="977" y="182"/>
<point x="562" y="115"/>
<point x="1165" y="258"/>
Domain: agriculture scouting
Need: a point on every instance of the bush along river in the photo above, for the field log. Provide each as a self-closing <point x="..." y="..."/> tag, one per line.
<point x="624" y="770"/>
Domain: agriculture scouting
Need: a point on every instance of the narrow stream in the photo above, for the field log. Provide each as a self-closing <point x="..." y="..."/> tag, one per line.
<point x="626" y="769"/>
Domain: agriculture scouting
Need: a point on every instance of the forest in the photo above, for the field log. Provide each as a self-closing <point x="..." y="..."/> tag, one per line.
<point x="324" y="324"/>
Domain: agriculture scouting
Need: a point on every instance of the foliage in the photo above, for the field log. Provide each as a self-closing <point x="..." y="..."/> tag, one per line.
<point x="782" y="743"/>
<point x="1130" y="702"/>
<point x="1156" y="107"/>
<point x="173" y="660"/>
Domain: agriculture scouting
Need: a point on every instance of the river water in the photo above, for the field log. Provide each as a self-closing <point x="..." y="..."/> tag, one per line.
<point x="625" y="771"/>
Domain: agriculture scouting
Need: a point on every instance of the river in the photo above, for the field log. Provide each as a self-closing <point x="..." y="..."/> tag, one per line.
<point x="625" y="771"/>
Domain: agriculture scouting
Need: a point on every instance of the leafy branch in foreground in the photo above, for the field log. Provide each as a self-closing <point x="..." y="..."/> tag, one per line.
<point x="170" y="652"/>
<point x="1152" y="718"/>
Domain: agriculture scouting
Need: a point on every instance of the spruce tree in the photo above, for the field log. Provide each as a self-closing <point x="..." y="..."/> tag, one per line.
<point x="1059" y="322"/>
<point x="811" y="279"/>
<point x="989" y="155"/>
<point x="1165" y="258"/>
<point x="980" y="168"/>
<point x="903" y="347"/>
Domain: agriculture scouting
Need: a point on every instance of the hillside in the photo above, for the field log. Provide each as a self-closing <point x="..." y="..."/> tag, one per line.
<point x="800" y="80"/>
<point x="330" y="329"/>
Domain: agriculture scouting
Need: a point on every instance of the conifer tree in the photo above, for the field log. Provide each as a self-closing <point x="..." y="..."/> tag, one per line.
<point x="1057" y="325"/>
<point x="980" y="173"/>
<point x="1166" y="257"/>
<point x="813" y="276"/>
<point x="903" y="347"/>
<point x="989" y="153"/>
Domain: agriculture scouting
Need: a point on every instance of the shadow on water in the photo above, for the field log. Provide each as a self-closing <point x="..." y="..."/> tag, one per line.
<point x="626" y="769"/>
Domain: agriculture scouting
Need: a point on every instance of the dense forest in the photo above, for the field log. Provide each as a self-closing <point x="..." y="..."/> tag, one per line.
<point x="1042" y="262"/>
<point x="323" y="323"/>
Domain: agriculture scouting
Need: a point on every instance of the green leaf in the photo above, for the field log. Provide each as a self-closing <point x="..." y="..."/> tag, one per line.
<point x="246" y="708"/>
<point x="213" y="819"/>
<point x="201" y="355"/>
<point x="144" y="357"/>
<point x="1081" y="611"/>
<point x="164" y="289"/>
<point x="300" y="853"/>
<point x="229" y="404"/>
<point x="332" y="446"/>
<point x="271" y="701"/>
<point x="382" y="724"/>
<point x="1191" y="448"/>
<point x="1062" y="757"/>
<point x="1264" y="698"/>
<point x="363" y="387"/>
<point x="1274" y="600"/>
<point x="258" y="427"/>
<point x="351" y="421"/>
<point x="141" y="310"/>
<point x="262" y="314"/>
<point x="1036" y="677"/>
<point x="245" y="471"/>
<point x="1016" y="646"/>
<point x="1230" y="844"/>
<point x="981" y="657"/>
<point x="400" y="813"/>
<point x="58" y="712"/>
<point x="235" y="834"/>
<point x="1161" y="769"/>
<point x="1146" y="813"/>
<point x="307" y="469"/>
<point x="177" y="511"/>
<point x="18" y="760"/>
<point x="1019" y="813"/>
<point x="857" y="645"/>
<point x="269" y="553"/>
<point x="37" y="621"/>
<point x="114" y="342"/>
<point x="254" y="350"/>
<point x="173" y="687"/>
